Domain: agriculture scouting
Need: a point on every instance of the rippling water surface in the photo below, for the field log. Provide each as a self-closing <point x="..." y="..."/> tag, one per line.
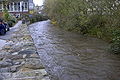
<point x="71" y="56"/>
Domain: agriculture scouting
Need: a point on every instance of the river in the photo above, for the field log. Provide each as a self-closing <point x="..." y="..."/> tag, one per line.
<point x="71" y="56"/>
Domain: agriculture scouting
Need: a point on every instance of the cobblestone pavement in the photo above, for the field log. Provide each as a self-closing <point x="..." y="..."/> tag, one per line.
<point x="70" y="56"/>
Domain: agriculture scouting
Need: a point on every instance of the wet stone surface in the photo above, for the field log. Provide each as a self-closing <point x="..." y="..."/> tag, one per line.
<point x="70" y="56"/>
<point x="19" y="59"/>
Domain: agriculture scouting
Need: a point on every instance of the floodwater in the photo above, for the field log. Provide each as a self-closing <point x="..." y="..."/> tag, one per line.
<point x="70" y="56"/>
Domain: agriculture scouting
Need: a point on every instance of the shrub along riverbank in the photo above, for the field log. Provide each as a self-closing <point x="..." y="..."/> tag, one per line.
<point x="35" y="17"/>
<point x="91" y="17"/>
<point x="10" y="19"/>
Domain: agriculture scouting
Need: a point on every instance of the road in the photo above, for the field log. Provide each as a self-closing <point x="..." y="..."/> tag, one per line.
<point x="70" y="56"/>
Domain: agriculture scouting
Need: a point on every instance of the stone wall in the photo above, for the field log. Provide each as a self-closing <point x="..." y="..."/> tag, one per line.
<point x="19" y="59"/>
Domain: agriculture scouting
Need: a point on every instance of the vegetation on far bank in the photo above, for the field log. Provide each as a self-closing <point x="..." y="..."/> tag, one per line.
<point x="91" y="17"/>
<point x="37" y="17"/>
<point x="34" y="17"/>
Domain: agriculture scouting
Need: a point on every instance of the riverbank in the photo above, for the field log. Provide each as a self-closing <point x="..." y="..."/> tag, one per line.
<point x="71" y="56"/>
<point x="100" y="21"/>
<point x="19" y="59"/>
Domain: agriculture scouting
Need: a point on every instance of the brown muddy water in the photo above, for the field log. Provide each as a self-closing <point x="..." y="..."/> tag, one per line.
<point x="70" y="56"/>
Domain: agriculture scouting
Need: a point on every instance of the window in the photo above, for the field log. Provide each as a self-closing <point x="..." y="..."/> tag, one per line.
<point x="0" y="7"/>
<point x="15" y="6"/>
<point x="26" y="5"/>
<point x="8" y="7"/>
<point x="11" y="7"/>
<point x="23" y="6"/>
<point x="18" y="6"/>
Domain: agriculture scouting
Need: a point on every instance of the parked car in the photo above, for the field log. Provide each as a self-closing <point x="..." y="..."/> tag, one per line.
<point x="3" y="27"/>
<point x="6" y="26"/>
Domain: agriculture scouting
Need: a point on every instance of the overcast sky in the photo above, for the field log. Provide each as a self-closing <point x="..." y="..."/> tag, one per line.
<point x="38" y="2"/>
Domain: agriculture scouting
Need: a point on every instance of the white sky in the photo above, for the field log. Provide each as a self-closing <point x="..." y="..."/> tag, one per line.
<point x="38" y="2"/>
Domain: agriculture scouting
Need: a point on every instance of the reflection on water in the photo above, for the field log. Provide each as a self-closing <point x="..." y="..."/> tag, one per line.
<point x="70" y="56"/>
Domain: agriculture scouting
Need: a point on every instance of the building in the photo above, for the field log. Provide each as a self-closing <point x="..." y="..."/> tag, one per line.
<point x="16" y="7"/>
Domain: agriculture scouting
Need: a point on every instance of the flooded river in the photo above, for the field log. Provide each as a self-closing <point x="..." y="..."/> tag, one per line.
<point x="71" y="56"/>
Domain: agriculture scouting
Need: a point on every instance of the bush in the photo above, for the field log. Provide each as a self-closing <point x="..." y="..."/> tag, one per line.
<point x="10" y="23"/>
<point x="9" y="18"/>
<point x="115" y="46"/>
<point x="6" y="15"/>
<point x="35" y="18"/>
<point x="12" y="18"/>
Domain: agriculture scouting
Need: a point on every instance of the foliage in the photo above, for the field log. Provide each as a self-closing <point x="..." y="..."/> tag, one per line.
<point x="91" y="17"/>
<point x="115" y="46"/>
<point x="6" y="15"/>
<point x="9" y="18"/>
<point x="36" y="18"/>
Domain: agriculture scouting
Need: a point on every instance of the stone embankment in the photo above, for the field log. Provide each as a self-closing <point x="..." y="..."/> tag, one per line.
<point x="19" y="59"/>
